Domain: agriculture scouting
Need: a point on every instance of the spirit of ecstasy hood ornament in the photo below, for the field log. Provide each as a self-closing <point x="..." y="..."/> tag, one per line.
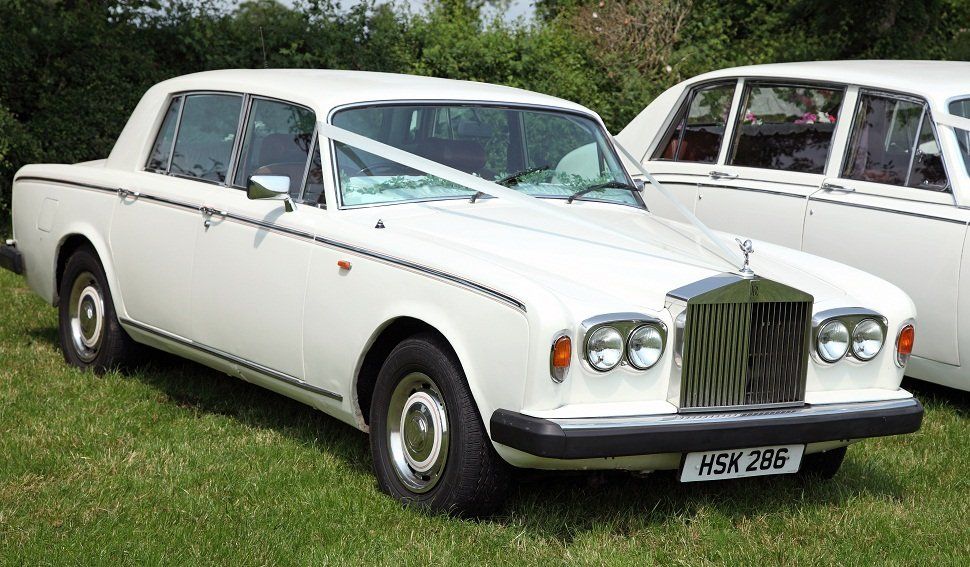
<point x="747" y="249"/>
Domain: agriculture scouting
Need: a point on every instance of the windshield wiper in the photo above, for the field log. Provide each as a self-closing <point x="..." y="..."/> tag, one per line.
<point x="598" y="186"/>
<point x="513" y="179"/>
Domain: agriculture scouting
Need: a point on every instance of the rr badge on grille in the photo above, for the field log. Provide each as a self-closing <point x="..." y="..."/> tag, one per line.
<point x="747" y="249"/>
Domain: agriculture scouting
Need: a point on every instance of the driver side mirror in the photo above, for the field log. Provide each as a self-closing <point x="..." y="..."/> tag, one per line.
<point x="271" y="188"/>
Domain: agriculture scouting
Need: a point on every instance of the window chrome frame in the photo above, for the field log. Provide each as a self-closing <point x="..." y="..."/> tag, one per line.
<point x="751" y="82"/>
<point x="908" y="97"/>
<point x="244" y="125"/>
<point x="608" y="139"/>
<point x="683" y="109"/>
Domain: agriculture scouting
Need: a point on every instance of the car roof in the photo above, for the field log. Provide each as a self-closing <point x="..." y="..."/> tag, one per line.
<point x="934" y="80"/>
<point x="324" y="89"/>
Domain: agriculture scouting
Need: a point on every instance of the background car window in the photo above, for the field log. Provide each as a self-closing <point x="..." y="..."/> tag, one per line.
<point x="696" y="135"/>
<point x="205" y="136"/>
<point x="961" y="108"/>
<point x="162" y="150"/>
<point x="785" y="127"/>
<point x="277" y="142"/>
<point x="893" y="142"/>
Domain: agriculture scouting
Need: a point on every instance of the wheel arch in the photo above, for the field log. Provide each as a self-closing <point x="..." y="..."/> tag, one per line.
<point x="382" y="342"/>
<point x="70" y="242"/>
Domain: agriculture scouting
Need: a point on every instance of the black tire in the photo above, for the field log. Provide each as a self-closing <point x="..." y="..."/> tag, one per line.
<point x="822" y="466"/>
<point x="112" y="347"/>
<point x="473" y="480"/>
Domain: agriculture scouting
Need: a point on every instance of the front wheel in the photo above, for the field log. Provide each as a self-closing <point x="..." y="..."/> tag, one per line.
<point x="428" y="442"/>
<point x="823" y="465"/>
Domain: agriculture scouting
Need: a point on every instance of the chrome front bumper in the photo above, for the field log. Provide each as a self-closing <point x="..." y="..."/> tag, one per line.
<point x="681" y="433"/>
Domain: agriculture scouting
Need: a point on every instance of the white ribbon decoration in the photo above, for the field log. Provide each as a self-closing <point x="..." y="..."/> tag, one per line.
<point x="954" y="121"/>
<point x="495" y="190"/>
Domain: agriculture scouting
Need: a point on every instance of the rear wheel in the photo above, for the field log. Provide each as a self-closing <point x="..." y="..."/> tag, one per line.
<point x="88" y="328"/>
<point x="823" y="465"/>
<point x="428" y="442"/>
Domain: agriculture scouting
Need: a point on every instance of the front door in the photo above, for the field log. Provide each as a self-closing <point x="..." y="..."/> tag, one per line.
<point x="891" y="213"/>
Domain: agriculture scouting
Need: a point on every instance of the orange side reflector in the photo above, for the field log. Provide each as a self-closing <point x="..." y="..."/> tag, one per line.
<point x="343" y="264"/>
<point x="562" y="352"/>
<point x="904" y="344"/>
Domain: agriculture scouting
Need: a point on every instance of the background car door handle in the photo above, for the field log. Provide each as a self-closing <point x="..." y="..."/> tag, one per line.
<point x="722" y="175"/>
<point x="826" y="186"/>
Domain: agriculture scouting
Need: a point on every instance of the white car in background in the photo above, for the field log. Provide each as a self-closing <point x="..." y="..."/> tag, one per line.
<point x="863" y="162"/>
<point x="337" y="237"/>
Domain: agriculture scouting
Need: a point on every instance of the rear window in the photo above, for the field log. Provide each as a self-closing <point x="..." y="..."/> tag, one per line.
<point x="206" y="134"/>
<point x="786" y="127"/>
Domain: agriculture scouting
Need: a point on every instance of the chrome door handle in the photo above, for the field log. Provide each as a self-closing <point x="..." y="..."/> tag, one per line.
<point x="125" y="193"/>
<point x="826" y="186"/>
<point x="208" y="213"/>
<point x="722" y="175"/>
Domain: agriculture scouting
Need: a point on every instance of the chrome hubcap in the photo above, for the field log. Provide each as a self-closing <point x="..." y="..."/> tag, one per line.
<point x="417" y="430"/>
<point x="86" y="313"/>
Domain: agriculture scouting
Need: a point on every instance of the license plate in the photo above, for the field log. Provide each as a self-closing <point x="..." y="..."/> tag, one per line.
<point x="738" y="463"/>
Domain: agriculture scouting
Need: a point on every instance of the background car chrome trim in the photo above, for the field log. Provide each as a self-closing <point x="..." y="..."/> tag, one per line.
<point x="256" y="367"/>
<point x="887" y="210"/>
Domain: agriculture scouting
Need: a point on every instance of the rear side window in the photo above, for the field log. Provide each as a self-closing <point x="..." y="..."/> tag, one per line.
<point x="277" y="142"/>
<point x="893" y="142"/>
<point x="162" y="150"/>
<point x="206" y="134"/>
<point x="697" y="133"/>
<point x="785" y="127"/>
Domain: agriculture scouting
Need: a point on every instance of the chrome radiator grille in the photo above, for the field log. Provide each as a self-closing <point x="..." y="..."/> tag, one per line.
<point x="752" y="352"/>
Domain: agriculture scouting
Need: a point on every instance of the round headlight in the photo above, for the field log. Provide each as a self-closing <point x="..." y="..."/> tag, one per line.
<point x="645" y="347"/>
<point x="867" y="339"/>
<point x="604" y="348"/>
<point x="833" y="341"/>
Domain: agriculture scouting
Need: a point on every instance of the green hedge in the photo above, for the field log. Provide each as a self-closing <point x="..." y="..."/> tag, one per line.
<point x="73" y="70"/>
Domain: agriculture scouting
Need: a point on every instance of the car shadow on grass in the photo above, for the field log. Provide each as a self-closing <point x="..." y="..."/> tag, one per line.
<point x="549" y="504"/>
<point x="934" y="395"/>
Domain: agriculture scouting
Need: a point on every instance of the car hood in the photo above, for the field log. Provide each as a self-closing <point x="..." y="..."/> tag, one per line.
<point x="636" y="261"/>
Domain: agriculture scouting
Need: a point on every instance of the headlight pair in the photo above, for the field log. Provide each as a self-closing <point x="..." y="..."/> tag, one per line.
<point x="639" y="341"/>
<point x="857" y="333"/>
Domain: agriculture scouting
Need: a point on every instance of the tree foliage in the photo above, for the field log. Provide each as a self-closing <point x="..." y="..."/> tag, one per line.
<point x="74" y="69"/>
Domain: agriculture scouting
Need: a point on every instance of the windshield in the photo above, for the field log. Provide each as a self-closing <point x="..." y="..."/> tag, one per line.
<point x="961" y="108"/>
<point x="542" y="153"/>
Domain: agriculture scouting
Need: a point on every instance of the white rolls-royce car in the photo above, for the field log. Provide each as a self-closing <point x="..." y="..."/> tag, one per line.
<point x="464" y="270"/>
<point x="863" y="162"/>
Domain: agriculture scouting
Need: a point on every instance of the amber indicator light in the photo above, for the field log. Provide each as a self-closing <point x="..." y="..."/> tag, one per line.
<point x="562" y="352"/>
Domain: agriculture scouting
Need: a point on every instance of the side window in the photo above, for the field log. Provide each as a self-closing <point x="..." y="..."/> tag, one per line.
<point x="785" y="127"/>
<point x="276" y="142"/>
<point x="162" y="150"/>
<point x="893" y="142"/>
<point x="697" y="133"/>
<point x="206" y="133"/>
<point x="313" y="189"/>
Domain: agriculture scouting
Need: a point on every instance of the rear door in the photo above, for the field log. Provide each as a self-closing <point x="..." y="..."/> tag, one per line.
<point x="889" y="210"/>
<point x="688" y="151"/>
<point x="781" y="138"/>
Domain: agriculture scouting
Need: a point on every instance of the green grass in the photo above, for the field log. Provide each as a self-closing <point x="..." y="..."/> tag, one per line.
<point x="176" y="463"/>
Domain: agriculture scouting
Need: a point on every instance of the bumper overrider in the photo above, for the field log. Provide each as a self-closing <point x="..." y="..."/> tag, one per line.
<point x="585" y="438"/>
